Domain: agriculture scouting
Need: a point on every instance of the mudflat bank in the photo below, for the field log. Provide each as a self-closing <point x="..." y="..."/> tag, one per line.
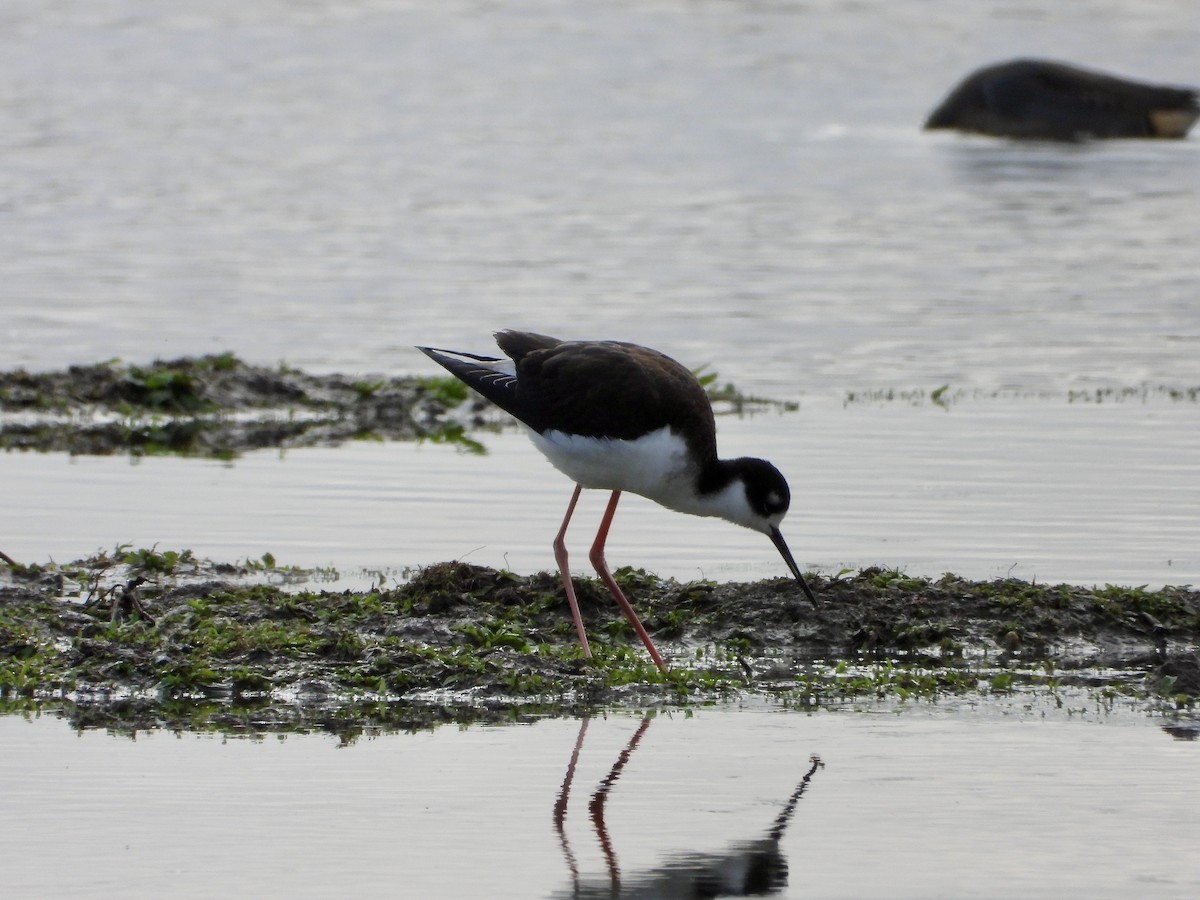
<point x="220" y="406"/>
<point x="151" y="637"/>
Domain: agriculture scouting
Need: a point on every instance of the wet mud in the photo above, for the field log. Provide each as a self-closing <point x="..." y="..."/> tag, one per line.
<point x="220" y="406"/>
<point x="164" y="640"/>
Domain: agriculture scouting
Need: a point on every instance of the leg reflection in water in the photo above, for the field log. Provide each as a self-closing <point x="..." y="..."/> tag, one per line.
<point x="747" y="868"/>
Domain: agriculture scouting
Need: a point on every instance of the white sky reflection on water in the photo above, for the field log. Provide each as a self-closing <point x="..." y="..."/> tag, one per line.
<point x="940" y="802"/>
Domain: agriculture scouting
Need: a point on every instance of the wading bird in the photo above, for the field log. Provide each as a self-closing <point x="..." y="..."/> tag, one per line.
<point x="621" y="417"/>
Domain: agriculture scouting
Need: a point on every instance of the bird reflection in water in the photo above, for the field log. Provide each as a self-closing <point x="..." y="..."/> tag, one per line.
<point x="747" y="868"/>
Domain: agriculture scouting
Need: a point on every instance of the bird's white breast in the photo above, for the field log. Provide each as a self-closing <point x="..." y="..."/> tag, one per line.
<point x="655" y="465"/>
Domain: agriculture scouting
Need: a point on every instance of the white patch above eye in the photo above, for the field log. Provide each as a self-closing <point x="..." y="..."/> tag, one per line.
<point x="773" y="499"/>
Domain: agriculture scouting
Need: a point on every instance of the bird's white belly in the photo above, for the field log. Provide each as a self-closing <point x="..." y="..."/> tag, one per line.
<point x="655" y="465"/>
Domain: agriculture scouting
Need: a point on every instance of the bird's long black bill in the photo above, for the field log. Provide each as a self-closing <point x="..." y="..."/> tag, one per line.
<point x="777" y="539"/>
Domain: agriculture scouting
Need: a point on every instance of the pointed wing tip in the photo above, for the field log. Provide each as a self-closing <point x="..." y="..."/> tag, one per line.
<point x="440" y="354"/>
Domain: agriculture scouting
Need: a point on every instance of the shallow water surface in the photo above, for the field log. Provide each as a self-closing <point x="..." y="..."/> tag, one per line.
<point x="1026" y="800"/>
<point x="1040" y="489"/>
<point x="743" y="184"/>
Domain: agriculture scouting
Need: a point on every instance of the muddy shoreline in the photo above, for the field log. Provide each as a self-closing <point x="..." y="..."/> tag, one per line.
<point x="220" y="406"/>
<point x="156" y="639"/>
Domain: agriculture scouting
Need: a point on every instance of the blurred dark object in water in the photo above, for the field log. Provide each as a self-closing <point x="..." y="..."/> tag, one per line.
<point x="1032" y="98"/>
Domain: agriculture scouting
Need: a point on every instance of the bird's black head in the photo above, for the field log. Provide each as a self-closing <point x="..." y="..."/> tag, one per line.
<point x="768" y="497"/>
<point x="766" y="488"/>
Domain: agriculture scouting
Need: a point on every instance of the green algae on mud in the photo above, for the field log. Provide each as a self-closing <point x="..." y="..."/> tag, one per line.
<point x="147" y="638"/>
<point x="220" y="406"/>
<point x="945" y="396"/>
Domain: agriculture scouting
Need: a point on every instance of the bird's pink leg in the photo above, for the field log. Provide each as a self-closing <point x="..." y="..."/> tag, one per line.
<point x="560" y="555"/>
<point x="597" y="558"/>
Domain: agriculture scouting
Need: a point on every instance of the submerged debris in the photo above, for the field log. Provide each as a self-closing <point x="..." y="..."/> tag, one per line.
<point x="216" y="649"/>
<point x="1047" y="100"/>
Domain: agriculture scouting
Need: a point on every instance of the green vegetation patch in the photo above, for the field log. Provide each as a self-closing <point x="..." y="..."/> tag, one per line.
<point x="220" y="406"/>
<point x="148" y="626"/>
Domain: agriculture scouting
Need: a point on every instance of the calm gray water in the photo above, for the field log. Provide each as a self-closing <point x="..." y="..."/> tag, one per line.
<point x="741" y="184"/>
<point x="1035" y="489"/>
<point x="1017" y="800"/>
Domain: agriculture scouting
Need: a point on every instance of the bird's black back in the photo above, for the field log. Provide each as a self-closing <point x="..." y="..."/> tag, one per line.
<point x="590" y="388"/>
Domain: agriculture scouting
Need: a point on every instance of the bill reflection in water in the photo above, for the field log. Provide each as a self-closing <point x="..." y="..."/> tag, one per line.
<point x="747" y="868"/>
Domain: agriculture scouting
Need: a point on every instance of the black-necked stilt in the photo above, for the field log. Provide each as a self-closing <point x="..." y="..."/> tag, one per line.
<point x="1034" y="98"/>
<point x="621" y="417"/>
